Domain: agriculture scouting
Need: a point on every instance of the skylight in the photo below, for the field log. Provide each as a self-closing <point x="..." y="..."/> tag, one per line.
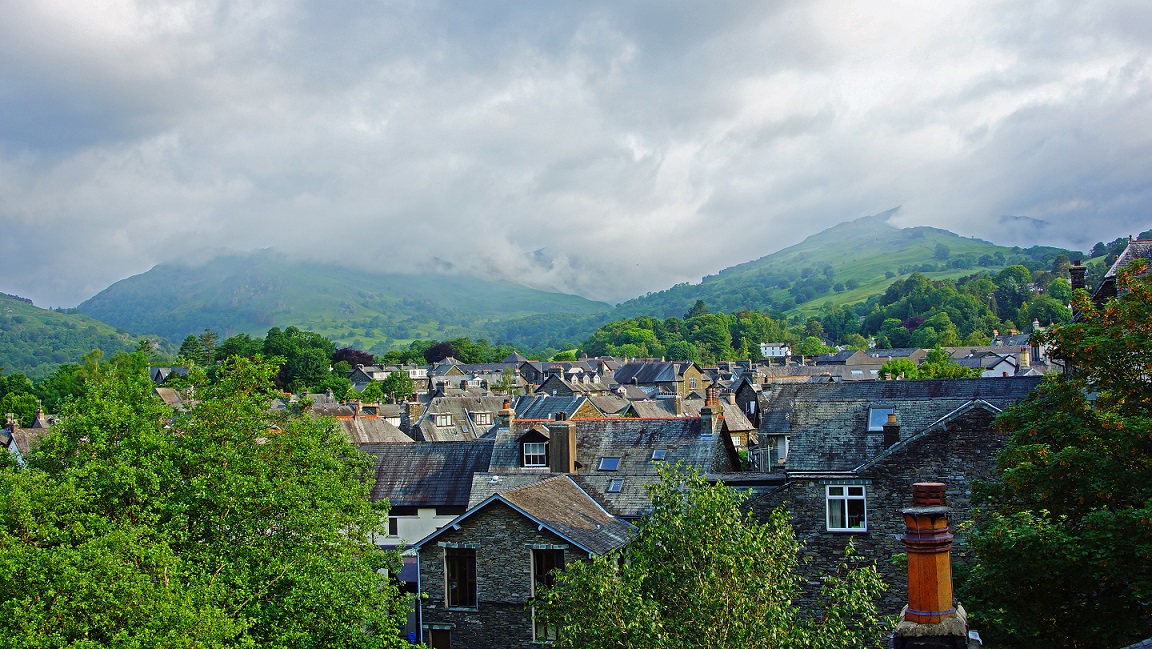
<point x="609" y="463"/>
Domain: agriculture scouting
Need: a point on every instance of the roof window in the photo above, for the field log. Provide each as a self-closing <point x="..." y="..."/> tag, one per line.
<point x="615" y="485"/>
<point x="658" y="455"/>
<point x="609" y="463"/>
<point x="877" y="417"/>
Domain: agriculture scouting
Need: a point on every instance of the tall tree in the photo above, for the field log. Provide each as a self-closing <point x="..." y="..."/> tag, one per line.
<point x="1063" y="538"/>
<point x="233" y="526"/>
<point x="397" y="385"/>
<point x="701" y="573"/>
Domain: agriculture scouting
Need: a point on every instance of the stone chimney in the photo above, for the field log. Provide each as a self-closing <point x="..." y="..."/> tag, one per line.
<point x="932" y="619"/>
<point x="891" y="430"/>
<point x="678" y="405"/>
<point x="562" y="444"/>
<point x="711" y="415"/>
<point x="507" y="415"/>
<point x="1024" y="359"/>
<point x="1076" y="275"/>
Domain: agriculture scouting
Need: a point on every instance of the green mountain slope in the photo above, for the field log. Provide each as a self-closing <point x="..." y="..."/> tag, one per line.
<point x="33" y="341"/>
<point x="371" y="311"/>
<point x="843" y="264"/>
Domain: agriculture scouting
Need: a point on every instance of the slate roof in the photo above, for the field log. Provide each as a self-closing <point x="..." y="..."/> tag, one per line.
<point x="1137" y="249"/>
<point x="630" y="439"/>
<point x="848" y="355"/>
<point x="828" y="423"/>
<point x="542" y="406"/>
<point x="648" y="373"/>
<point x="560" y="506"/>
<point x="463" y="428"/>
<point x="896" y="352"/>
<point x="432" y="474"/>
<point x="369" y="429"/>
<point x="608" y="404"/>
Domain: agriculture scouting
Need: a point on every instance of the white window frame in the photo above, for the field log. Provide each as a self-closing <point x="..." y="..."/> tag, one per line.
<point x="442" y="419"/>
<point x="542" y="447"/>
<point x="841" y="498"/>
<point x="482" y="418"/>
<point x="883" y="412"/>
<point x="692" y="384"/>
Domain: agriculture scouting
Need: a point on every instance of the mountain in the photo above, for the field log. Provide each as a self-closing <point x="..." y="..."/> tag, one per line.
<point x="33" y="341"/>
<point x="374" y="311"/>
<point x="843" y="264"/>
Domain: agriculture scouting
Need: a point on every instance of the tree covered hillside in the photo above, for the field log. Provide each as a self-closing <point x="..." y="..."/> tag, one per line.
<point x="843" y="264"/>
<point x="34" y="341"/>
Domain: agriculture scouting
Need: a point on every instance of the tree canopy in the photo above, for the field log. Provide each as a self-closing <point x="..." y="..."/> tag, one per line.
<point x="701" y="573"/>
<point x="1063" y="538"/>
<point x="226" y="525"/>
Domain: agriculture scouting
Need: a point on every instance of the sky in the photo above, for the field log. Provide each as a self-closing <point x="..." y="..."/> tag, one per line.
<point x="603" y="148"/>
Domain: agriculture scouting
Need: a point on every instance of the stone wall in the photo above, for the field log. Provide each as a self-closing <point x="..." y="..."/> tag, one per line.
<point x="503" y="540"/>
<point x="956" y="456"/>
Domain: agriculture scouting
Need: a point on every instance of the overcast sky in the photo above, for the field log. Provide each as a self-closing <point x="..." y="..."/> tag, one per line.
<point x="602" y="148"/>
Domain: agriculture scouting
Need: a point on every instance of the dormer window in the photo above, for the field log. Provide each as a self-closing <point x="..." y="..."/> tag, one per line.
<point x="443" y="420"/>
<point x="535" y="453"/>
<point x="482" y="418"/>
<point x="877" y="417"/>
<point x="609" y="464"/>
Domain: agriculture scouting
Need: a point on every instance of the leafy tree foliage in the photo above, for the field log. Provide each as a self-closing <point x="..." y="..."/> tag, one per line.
<point x="20" y="404"/>
<point x="397" y="386"/>
<point x="701" y="573"/>
<point x="372" y="393"/>
<point x="1064" y="537"/>
<point x="233" y="527"/>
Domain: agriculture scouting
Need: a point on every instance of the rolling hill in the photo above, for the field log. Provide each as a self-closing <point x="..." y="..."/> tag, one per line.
<point x="371" y="311"/>
<point x="34" y="341"/>
<point x="843" y="264"/>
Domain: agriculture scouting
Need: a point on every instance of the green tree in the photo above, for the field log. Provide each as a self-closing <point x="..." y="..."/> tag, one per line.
<point x="21" y="404"/>
<point x="1063" y="537"/>
<point x="698" y="309"/>
<point x="697" y="557"/>
<point x="192" y="350"/>
<point x="506" y="384"/>
<point x="372" y="393"/>
<point x="397" y="385"/>
<point x="899" y="368"/>
<point x="233" y="527"/>
<point x="566" y="355"/>
<point x="939" y="365"/>
<point x="63" y="383"/>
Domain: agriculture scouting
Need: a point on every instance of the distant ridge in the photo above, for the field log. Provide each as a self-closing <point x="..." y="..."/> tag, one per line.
<point x="251" y="293"/>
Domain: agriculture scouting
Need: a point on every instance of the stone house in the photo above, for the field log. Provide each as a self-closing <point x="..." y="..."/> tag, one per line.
<point x="456" y="418"/>
<point x="664" y="376"/>
<point x="481" y="570"/>
<point x="851" y="451"/>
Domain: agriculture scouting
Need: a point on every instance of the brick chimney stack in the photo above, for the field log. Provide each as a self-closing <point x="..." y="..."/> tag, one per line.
<point x="932" y="619"/>
<point x="891" y="430"/>
<point x="562" y="444"/>
<point x="507" y="415"/>
<point x="1076" y="275"/>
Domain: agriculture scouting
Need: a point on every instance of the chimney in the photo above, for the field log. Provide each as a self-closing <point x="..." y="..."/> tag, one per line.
<point x="1076" y="275"/>
<point x="678" y="405"/>
<point x="932" y="619"/>
<point x="562" y="444"/>
<point x="1024" y="359"/>
<point x="507" y="415"/>
<point x="891" y="430"/>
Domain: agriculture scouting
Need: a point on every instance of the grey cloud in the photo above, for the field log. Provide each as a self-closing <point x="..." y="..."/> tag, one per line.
<point x="639" y="144"/>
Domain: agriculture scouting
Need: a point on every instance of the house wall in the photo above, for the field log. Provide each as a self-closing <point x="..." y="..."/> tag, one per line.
<point x="958" y="456"/>
<point x="503" y="539"/>
<point x="413" y="528"/>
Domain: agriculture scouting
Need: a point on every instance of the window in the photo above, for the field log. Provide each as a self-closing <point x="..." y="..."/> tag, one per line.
<point x="444" y="420"/>
<point x="609" y="463"/>
<point x="692" y="383"/>
<point x="615" y="485"/>
<point x="846" y="508"/>
<point x="658" y="455"/>
<point x="545" y="565"/>
<point x="393" y="526"/>
<point x="460" y="577"/>
<point x="535" y="454"/>
<point x="777" y="451"/>
<point x="483" y="418"/>
<point x="877" y="417"/>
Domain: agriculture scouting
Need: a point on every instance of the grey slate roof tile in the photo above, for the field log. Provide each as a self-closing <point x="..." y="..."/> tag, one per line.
<point x="430" y="474"/>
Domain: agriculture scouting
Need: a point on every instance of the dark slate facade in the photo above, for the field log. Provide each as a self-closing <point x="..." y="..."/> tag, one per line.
<point x="945" y="435"/>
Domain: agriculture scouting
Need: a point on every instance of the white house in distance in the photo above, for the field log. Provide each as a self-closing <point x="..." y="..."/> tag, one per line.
<point x="775" y="350"/>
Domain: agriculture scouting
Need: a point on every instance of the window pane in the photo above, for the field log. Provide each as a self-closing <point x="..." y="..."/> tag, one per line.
<point x="609" y="463"/>
<point x="835" y="491"/>
<point x="855" y="514"/>
<point x="856" y="491"/>
<point x="460" y="573"/>
<point x="836" y="514"/>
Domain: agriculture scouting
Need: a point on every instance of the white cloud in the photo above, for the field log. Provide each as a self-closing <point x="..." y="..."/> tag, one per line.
<point x="638" y="145"/>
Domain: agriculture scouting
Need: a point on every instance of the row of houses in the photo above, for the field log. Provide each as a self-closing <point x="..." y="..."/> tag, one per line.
<point x="484" y="520"/>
